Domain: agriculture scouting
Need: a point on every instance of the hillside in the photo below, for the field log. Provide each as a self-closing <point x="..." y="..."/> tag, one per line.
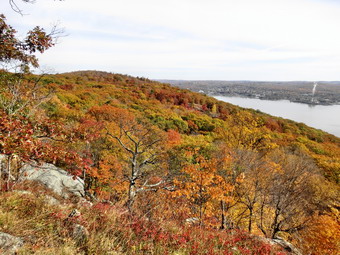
<point x="160" y="155"/>
<point x="192" y="113"/>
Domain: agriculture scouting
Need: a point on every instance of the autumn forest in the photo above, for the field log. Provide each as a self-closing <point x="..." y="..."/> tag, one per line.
<point x="166" y="170"/>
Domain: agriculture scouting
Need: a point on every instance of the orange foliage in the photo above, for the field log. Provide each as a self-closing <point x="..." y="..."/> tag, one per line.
<point x="322" y="236"/>
<point x="109" y="113"/>
<point x="174" y="138"/>
<point x="202" y="187"/>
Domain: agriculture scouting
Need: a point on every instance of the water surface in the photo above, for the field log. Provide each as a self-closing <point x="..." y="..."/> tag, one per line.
<point x="324" y="117"/>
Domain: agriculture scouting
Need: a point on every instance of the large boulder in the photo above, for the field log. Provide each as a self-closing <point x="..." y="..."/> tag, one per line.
<point x="54" y="178"/>
<point x="288" y="247"/>
<point x="9" y="244"/>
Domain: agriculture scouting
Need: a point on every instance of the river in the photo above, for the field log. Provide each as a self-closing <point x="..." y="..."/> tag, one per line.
<point x="324" y="117"/>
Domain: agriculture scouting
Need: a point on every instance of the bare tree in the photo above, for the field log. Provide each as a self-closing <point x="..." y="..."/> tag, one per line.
<point x="20" y="95"/>
<point x="286" y="202"/>
<point x="143" y="147"/>
<point x="15" y="7"/>
<point x="18" y="92"/>
<point x="247" y="193"/>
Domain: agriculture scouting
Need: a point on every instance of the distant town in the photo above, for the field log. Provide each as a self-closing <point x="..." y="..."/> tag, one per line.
<point x="312" y="93"/>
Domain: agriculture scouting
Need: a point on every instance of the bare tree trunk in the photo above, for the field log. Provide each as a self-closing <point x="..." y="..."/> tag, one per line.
<point x="261" y="225"/>
<point x="201" y="215"/>
<point x="8" y="172"/>
<point x="132" y="180"/>
<point x="1" y="164"/>
<point x="131" y="194"/>
<point x="2" y="169"/>
<point x="250" y="222"/>
<point x="135" y="140"/>
<point x="275" y="224"/>
<point x="222" y="215"/>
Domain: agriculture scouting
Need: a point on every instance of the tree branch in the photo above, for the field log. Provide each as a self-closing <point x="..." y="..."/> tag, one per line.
<point x="150" y="145"/>
<point x="120" y="142"/>
<point x="149" y="160"/>
<point x="150" y="187"/>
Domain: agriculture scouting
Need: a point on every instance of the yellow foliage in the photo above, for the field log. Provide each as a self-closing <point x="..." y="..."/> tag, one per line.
<point x="323" y="235"/>
<point x="202" y="186"/>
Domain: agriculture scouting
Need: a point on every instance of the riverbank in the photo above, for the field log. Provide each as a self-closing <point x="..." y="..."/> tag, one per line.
<point x="317" y="116"/>
<point x="305" y="92"/>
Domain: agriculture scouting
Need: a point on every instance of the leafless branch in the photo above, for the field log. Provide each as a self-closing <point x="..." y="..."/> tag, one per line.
<point x="57" y="32"/>
<point x="119" y="141"/>
<point x="149" y="160"/>
<point x="150" y="187"/>
<point x="127" y="133"/>
<point x="16" y="8"/>
<point x="150" y="145"/>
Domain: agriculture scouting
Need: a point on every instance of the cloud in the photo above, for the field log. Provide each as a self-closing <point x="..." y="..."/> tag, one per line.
<point x="194" y="39"/>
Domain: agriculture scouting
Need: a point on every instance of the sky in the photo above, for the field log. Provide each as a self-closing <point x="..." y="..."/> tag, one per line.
<point x="190" y="39"/>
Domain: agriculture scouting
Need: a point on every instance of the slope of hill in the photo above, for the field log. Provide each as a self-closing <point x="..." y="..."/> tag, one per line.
<point x="167" y="155"/>
<point x="193" y="113"/>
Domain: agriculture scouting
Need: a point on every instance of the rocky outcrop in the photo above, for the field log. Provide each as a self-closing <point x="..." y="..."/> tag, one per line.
<point x="54" y="178"/>
<point x="47" y="198"/>
<point x="287" y="246"/>
<point x="9" y="244"/>
<point x="282" y="243"/>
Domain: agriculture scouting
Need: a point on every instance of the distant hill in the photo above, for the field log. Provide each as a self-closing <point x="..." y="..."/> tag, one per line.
<point x="325" y="93"/>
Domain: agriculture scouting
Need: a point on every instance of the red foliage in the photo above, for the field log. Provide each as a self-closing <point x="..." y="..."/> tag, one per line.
<point x="44" y="141"/>
<point x="37" y="40"/>
<point x="273" y="125"/>
<point x="193" y="240"/>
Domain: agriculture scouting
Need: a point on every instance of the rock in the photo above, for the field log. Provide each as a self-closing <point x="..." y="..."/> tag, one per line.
<point x="9" y="244"/>
<point x="48" y="199"/>
<point x="54" y="178"/>
<point x="76" y="231"/>
<point x="283" y="243"/>
<point x="235" y="249"/>
<point x="287" y="246"/>
<point x="108" y="202"/>
<point x="85" y="203"/>
<point x="79" y="233"/>
<point x="74" y="214"/>
<point x="23" y="192"/>
<point x="51" y="200"/>
<point x="192" y="220"/>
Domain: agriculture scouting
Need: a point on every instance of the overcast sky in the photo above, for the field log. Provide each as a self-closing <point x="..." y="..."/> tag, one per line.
<point x="191" y="39"/>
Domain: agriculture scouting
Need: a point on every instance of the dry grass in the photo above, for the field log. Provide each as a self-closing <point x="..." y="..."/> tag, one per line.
<point x="46" y="229"/>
